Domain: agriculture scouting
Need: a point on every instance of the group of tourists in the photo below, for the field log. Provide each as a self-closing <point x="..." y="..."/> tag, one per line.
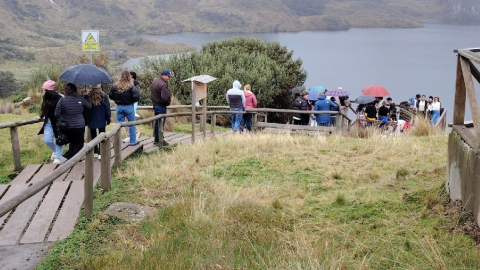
<point x="430" y="109"/>
<point x="321" y="102"/>
<point x="65" y="117"/>
<point x="239" y="100"/>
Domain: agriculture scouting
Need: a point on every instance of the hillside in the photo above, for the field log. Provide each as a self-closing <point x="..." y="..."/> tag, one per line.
<point x="27" y="27"/>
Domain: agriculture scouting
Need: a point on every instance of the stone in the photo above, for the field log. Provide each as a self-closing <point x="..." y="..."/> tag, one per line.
<point x="129" y="211"/>
<point x="117" y="54"/>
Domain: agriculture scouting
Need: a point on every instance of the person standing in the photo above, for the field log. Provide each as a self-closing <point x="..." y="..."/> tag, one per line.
<point x="250" y="102"/>
<point x="301" y="104"/>
<point x="49" y="128"/>
<point x="71" y="108"/>
<point x="435" y="110"/>
<point x="392" y="109"/>
<point x="99" y="115"/>
<point x="161" y="99"/>
<point x="422" y="107"/>
<point x="124" y="93"/>
<point x="236" y="101"/>
<point x="323" y="104"/>
<point x="414" y="100"/>
<point x="429" y="108"/>
<point x="137" y="85"/>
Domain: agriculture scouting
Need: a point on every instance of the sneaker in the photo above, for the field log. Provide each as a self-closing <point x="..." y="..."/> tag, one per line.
<point x="165" y="143"/>
<point x="133" y="144"/>
<point x="155" y="143"/>
<point x="127" y="139"/>
<point x="52" y="157"/>
<point x="99" y="157"/>
<point x="138" y="135"/>
<point x="95" y="155"/>
<point x="57" y="161"/>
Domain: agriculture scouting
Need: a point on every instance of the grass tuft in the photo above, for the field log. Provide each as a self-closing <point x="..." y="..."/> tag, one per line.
<point x="401" y="173"/>
<point x="340" y="199"/>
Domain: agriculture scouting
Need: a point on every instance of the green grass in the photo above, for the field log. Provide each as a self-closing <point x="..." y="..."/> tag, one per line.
<point x="276" y="202"/>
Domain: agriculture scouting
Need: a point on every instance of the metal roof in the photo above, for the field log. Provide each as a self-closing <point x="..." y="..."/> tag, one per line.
<point x="201" y="78"/>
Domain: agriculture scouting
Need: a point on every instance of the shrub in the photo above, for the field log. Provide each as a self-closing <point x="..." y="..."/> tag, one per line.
<point x="9" y="108"/>
<point x="8" y="84"/>
<point x="267" y="66"/>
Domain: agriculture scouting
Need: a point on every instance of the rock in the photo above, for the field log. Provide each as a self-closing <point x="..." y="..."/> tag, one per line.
<point x="129" y="211"/>
<point x="117" y="54"/>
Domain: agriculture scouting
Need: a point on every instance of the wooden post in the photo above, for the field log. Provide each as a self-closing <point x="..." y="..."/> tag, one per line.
<point x="106" y="171"/>
<point x="213" y="124"/>
<point x="117" y="145"/>
<point x="161" y="124"/>
<point x="460" y="96"/>
<point x="338" y="124"/>
<point x="194" y="113"/>
<point x="472" y="97"/>
<point x="17" y="161"/>
<point x="266" y="117"/>
<point x="204" y="118"/>
<point x="202" y="126"/>
<point x="89" y="136"/>
<point x="88" y="184"/>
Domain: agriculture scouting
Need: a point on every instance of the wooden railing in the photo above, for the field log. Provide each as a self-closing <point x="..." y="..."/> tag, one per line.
<point x="104" y="139"/>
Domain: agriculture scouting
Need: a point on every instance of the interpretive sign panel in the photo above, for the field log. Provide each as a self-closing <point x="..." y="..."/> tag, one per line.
<point x="90" y="41"/>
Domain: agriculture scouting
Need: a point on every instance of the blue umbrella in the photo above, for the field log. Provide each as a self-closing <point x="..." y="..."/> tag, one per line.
<point x="313" y="92"/>
<point x="85" y="74"/>
<point x="364" y="99"/>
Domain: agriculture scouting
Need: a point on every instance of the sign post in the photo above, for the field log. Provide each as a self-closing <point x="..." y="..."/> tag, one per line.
<point x="90" y="42"/>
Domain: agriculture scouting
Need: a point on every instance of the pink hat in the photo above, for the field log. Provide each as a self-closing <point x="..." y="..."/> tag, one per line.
<point x="48" y="85"/>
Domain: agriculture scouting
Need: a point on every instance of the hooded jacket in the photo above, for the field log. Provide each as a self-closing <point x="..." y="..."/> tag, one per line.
<point x="323" y="104"/>
<point x="128" y="97"/>
<point x="250" y="100"/>
<point x="72" y="109"/>
<point x="236" y="97"/>
<point x="51" y="112"/>
<point x="160" y="94"/>
<point x="300" y="104"/>
<point x="99" y="115"/>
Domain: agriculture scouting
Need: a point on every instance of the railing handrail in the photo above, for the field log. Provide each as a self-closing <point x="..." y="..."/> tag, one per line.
<point x="20" y="123"/>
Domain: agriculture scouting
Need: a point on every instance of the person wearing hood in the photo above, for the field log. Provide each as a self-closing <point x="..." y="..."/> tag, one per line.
<point x="301" y="104"/>
<point x="250" y="102"/>
<point x="124" y="93"/>
<point x="236" y="101"/>
<point x="323" y="104"/>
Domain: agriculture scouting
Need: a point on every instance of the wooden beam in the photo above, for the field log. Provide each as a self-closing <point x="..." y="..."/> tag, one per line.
<point x="117" y="147"/>
<point x="472" y="97"/>
<point x="204" y="120"/>
<point x="88" y="184"/>
<point x="294" y="127"/>
<point x="194" y="112"/>
<point x="470" y="55"/>
<point x="460" y="96"/>
<point x="475" y="72"/>
<point x="106" y="171"/>
<point x="17" y="160"/>
<point x="161" y="125"/>
<point x="213" y="124"/>
<point x="20" y="123"/>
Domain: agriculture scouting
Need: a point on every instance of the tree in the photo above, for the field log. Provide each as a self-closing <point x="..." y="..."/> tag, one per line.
<point x="267" y="66"/>
<point x="8" y="84"/>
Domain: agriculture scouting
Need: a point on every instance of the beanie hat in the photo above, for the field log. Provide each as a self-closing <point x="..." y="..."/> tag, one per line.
<point x="48" y="85"/>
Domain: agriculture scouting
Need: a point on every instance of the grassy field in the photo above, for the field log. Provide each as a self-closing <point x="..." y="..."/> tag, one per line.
<point x="277" y="202"/>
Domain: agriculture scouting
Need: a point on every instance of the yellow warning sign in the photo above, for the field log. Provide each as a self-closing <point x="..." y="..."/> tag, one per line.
<point x="90" y="46"/>
<point x="90" y="38"/>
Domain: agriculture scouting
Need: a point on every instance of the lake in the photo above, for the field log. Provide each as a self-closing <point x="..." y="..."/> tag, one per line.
<point x="405" y="61"/>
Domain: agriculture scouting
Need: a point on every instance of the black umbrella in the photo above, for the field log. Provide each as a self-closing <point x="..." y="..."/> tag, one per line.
<point x="85" y="74"/>
<point x="297" y="90"/>
<point x="364" y="99"/>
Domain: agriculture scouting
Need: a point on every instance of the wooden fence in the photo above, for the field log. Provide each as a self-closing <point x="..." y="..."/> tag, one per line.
<point x="104" y="139"/>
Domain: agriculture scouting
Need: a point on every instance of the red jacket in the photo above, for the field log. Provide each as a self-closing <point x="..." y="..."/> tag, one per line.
<point x="250" y="100"/>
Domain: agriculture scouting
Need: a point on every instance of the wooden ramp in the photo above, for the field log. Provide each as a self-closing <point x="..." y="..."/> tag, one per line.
<point x="51" y="214"/>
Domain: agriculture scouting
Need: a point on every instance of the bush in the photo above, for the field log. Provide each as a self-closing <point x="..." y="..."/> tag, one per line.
<point x="267" y="66"/>
<point x="8" y="84"/>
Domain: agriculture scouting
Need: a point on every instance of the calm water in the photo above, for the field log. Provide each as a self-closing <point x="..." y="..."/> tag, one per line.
<point x="405" y="61"/>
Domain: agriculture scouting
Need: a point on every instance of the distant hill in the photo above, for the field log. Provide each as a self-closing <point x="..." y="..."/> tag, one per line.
<point x="49" y="23"/>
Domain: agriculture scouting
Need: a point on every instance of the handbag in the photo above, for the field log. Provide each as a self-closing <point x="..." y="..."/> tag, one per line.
<point x="61" y="139"/>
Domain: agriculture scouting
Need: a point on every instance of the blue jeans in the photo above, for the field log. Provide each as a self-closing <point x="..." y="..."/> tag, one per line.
<point x="49" y="139"/>
<point x="158" y="110"/>
<point x="435" y="116"/>
<point x="324" y="124"/>
<point x="126" y="111"/>
<point x="246" y="122"/>
<point x="236" y="119"/>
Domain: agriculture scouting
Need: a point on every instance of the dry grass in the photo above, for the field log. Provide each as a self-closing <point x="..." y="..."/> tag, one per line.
<point x="278" y="202"/>
<point x="7" y="107"/>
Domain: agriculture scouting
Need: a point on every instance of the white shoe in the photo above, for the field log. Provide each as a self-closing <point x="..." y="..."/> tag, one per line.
<point x="99" y="157"/>
<point x="53" y="156"/>
<point x="138" y="135"/>
<point x="95" y="155"/>
<point x="57" y="161"/>
<point x="127" y="139"/>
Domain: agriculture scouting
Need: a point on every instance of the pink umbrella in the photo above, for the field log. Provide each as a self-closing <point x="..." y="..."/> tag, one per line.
<point x="376" y="91"/>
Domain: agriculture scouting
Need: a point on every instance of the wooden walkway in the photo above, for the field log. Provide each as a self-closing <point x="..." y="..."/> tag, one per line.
<point x="51" y="214"/>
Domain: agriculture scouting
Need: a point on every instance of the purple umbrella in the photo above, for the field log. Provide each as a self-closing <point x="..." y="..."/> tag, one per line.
<point x="337" y="92"/>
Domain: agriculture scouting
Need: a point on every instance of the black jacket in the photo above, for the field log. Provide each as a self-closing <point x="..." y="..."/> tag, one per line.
<point x="300" y="104"/>
<point x="130" y="96"/>
<point x="383" y="111"/>
<point x="50" y="115"/>
<point x="160" y="94"/>
<point x="72" y="108"/>
<point x="371" y="111"/>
